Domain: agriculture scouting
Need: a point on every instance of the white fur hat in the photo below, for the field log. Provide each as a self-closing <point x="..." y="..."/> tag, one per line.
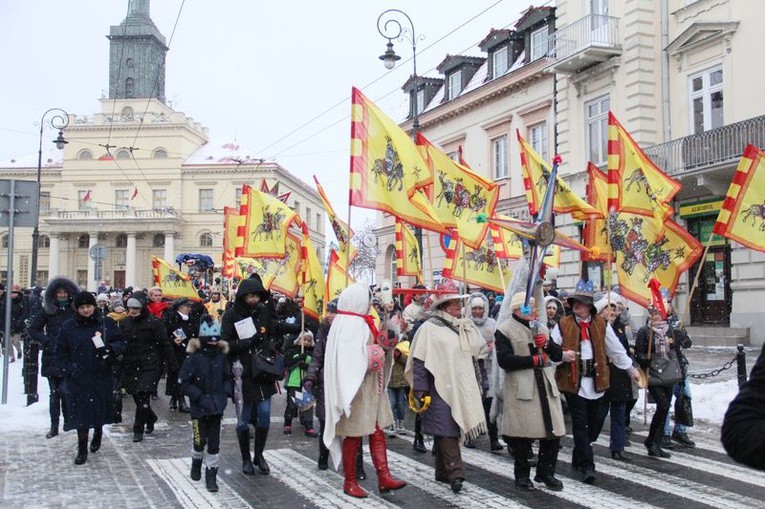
<point x="477" y="302"/>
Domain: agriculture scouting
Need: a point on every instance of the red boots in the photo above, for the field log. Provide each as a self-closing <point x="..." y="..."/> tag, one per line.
<point x="385" y="482"/>
<point x="351" y="446"/>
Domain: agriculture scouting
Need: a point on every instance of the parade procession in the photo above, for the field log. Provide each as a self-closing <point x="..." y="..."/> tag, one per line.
<point x="536" y="283"/>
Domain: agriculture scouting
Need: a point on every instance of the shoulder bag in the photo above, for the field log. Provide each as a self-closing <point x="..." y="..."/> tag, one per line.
<point x="267" y="366"/>
<point x="663" y="372"/>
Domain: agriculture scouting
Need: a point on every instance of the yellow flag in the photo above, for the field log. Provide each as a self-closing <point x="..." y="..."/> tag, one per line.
<point x="343" y="231"/>
<point x="552" y="258"/>
<point x="337" y="277"/>
<point x="742" y="216"/>
<point x="230" y="227"/>
<point x="387" y="171"/>
<point x="507" y="245"/>
<point x="646" y="250"/>
<point x="635" y="184"/>
<point x="475" y="266"/>
<point x="312" y="280"/>
<point x="266" y="220"/>
<point x="536" y="176"/>
<point x="595" y="233"/>
<point x="459" y="195"/>
<point x="284" y="270"/>
<point x="173" y="282"/>
<point x="407" y="252"/>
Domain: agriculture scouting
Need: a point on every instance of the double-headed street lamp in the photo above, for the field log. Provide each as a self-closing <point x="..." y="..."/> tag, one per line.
<point x="59" y="120"/>
<point x="390" y="26"/>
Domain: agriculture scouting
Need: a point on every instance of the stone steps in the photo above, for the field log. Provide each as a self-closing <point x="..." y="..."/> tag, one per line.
<point x="719" y="336"/>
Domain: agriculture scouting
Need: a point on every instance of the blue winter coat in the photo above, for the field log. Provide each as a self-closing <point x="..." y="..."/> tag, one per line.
<point x="88" y="380"/>
<point x="47" y="322"/>
<point x="206" y="379"/>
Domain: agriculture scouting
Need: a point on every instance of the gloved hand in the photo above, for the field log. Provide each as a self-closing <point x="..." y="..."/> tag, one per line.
<point x="308" y="385"/>
<point x="540" y="360"/>
<point x="540" y="340"/>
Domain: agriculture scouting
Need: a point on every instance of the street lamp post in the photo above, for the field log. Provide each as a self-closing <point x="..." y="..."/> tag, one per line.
<point x="390" y="26"/>
<point x="59" y="120"/>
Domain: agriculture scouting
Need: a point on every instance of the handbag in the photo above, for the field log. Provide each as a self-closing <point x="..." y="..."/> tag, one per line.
<point x="683" y="410"/>
<point x="267" y="366"/>
<point x="663" y="372"/>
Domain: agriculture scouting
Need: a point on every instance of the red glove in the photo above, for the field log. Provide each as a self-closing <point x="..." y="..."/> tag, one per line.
<point x="540" y="360"/>
<point x="540" y="340"/>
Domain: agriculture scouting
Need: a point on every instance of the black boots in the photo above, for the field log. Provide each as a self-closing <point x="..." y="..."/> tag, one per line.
<point x="137" y="432"/>
<point x="196" y="469"/>
<point x="419" y="443"/>
<point x="182" y="408"/>
<point x="174" y="404"/>
<point x="210" y="478"/>
<point x="82" y="447"/>
<point x="244" y="447"/>
<point x="261" y="434"/>
<point x="95" y="444"/>
<point x="53" y="431"/>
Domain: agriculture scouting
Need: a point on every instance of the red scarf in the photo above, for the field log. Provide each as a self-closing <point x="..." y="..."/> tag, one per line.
<point x="585" y="328"/>
<point x="369" y="319"/>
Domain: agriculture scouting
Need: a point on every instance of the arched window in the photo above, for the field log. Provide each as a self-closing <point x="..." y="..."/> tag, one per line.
<point x="120" y="240"/>
<point x="206" y="240"/>
<point x="159" y="153"/>
<point x="158" y="240"/>
<point x="4" y="240"/>
<point x="129" y="88"/>
<point x="127" y="113"/>
<point x="390" y="259"/>
<point x="85" y="154"/>
<point x="43" y="241"/>
<point x="83" y="241"/>
<point x="129" y="63"/>
<point x="123" y="154"/>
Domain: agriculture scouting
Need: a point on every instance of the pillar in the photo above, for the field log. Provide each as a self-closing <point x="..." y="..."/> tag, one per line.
<point x="170" y="248"/>
<point x="92" y="284"/>
<point x="53" y="256"/>
<point x="130" y="276"/>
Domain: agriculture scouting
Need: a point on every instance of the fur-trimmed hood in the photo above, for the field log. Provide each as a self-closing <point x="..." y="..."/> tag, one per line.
<point x="195" y="344"/>
<point x="49" y="302"/>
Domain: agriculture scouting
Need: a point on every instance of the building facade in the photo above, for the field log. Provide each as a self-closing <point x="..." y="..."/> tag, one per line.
<point x="681" y="78"/>
<point x="139" y="178"/>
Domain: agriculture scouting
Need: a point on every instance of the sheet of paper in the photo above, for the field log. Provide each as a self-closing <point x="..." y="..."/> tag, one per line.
<point x="98" y="342"/>
<point x="245" y="329"/>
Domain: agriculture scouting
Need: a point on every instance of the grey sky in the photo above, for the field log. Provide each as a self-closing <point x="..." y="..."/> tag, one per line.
<point x="249" y="70"/>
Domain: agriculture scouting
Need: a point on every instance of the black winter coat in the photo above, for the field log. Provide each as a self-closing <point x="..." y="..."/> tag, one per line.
<point x="620" y="388"/>
<point x="242" y="348"/>
<point x="147" y="349"/>
<point x="315" y="371"/>
<point x="205" y="378"/>
<point x="743" y="429"/>
<point x="88" y="382"/>
<point x="47" y="322"/>
<point x="19" y="312"/>
<point x="172" y="321"/>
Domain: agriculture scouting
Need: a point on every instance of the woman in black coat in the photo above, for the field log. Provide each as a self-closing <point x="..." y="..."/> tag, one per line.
<point x="57" y="308"/>
<point x="181" y="324"/>
<point x="147" y="347"/>
<point x="251" y="303"/>
<point x="83" y="348"/>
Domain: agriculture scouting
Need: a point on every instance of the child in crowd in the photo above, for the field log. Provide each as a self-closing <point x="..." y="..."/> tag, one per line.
<point x="297" y="358"/>
<point x="205" y="378"/>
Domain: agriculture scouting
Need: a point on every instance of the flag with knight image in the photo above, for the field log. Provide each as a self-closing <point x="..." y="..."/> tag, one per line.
<point x="407" y="252"/>
<point x="595" y="233"/>
<point x="742" y="215"/>
<point x="479" y="267"/>
<point x="174" y="283"/>
<point x="338" y="277"/>
<point x="507" y="245"/>
<point x="459" y="195"/>
<point x="311" y="278"/>
<point x="343" y="232"/>
<point x="536" y="176"/>
<point x="280" y="273"/>
<point x="635" y="184"/>
<point x="263" y="224"/>
<point x="388" y="173"/>
<point x="230" y="226"/>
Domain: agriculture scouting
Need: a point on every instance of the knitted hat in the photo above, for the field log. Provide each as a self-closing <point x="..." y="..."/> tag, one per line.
<point x="134" y="303"/>
<point x="518" y="299"/>
<point x="602" y="303"/>
<point x="117" y="304"/>
<point x="209" y="330"/>
<point x="102" y="297"/>
<point x="477" y="302"/>
<point x="84" y="299"/>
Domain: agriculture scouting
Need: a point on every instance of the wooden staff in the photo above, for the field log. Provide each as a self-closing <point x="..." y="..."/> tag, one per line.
<point x="348" y="244"/>
<point x="430" y="264"/>
<point x="501" y="273"/>
<point x="698" y="273"/>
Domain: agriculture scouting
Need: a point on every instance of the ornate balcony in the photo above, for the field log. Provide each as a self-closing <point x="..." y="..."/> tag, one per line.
<point x="584" y="43"/>
<point x="119" y="220"/>
<point x="710" y="149"/>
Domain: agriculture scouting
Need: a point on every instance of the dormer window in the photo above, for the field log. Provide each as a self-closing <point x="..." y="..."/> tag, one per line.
<point x="455" y="84"/>
<point x="539" y="43"/>
<point x="499" y="62"/>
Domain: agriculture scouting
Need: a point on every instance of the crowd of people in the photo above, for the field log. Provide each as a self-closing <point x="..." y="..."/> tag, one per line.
<point x="467" y="364"/>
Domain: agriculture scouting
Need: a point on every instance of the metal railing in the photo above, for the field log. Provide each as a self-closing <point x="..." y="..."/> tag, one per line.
<point x="718" y="146"/>
<point x="594" y="30"/>
<point x="130" y="213"/>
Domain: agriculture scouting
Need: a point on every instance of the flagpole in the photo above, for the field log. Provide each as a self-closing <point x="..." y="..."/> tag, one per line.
<point x="430" y="265"/>
<point x="698" y="273"/>
<point x="464" y="272"/>
<point x="501" y="274"/>
<point x="348" y="243"/>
